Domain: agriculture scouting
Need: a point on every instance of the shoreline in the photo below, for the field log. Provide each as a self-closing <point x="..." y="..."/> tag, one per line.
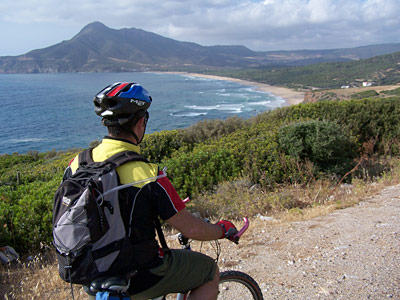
<point x="291" y="97"/>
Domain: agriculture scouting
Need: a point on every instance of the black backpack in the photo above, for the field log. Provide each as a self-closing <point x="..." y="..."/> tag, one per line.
<point x="88" y="230"/>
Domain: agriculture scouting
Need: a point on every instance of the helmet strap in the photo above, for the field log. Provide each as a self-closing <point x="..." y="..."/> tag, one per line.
<point x="144" y="130"/>
<point x="136" y="138"/>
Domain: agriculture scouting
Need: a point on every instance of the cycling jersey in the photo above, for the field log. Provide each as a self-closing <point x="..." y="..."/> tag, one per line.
<point x="141" y="203"/>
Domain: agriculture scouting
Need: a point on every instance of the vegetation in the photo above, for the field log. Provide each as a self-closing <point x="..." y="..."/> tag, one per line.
<point x="323" y="143"/>
<point x="395" y="92"/>
<point x="304" y="144"/>
<point x="383" y="70"/>
<point x="364" y="94"/>
<point x="27" y="185"/>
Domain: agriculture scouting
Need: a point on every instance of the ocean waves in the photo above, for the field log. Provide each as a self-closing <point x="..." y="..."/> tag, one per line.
<point x="55" y="111"/>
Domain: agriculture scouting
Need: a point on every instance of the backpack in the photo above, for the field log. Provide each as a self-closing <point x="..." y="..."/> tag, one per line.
<point x="88" y="231"/>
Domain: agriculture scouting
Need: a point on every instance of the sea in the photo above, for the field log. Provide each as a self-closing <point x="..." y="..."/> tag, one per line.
<point x="44" y="112"/>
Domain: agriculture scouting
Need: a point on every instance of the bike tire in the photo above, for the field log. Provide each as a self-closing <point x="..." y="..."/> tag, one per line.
<point x="238" y="285"/>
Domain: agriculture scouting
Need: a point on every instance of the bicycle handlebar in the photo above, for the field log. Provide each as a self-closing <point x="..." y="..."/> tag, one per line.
<point x="235" y="237"/>
<point x="243" y="229"/>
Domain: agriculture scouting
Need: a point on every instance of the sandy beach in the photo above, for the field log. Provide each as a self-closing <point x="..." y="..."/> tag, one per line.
<point x="290" y="96"/>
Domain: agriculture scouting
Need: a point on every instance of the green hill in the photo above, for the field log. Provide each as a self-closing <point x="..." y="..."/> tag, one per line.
<point x="381" y="70"/>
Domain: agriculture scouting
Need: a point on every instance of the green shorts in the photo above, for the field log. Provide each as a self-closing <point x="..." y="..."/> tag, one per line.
<point x="182" y="271"/>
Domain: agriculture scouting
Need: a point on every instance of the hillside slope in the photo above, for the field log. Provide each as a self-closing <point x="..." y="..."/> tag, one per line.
<point x="380" y="70"/>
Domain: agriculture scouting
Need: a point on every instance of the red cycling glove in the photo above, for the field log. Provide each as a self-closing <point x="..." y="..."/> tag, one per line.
<point x="228" y="229"/>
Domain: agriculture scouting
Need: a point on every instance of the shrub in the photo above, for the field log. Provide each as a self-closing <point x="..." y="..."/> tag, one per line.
<point x="208" y="130"/>
<point x="201" y="169"/>
<point x="323" y="143"/>
<point x="364" y="94"/>
<point x="392" y="92"/>
<point x="26" y="204"/>
<point x="362" y="119"/>
<point x="160" y="145"/>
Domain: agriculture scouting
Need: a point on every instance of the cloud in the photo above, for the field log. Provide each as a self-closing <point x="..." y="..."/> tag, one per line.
<point x="257" y="24"/>
<point x="287" y="24"/>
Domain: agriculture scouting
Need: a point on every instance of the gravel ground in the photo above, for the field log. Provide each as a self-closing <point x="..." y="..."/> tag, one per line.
<point x="353" y="253"/>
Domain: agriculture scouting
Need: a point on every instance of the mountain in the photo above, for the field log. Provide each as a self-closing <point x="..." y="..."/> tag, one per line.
<point x="97" y="48"/>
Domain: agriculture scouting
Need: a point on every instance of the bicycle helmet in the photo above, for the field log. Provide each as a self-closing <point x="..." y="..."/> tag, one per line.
<point x="119" y="102"/>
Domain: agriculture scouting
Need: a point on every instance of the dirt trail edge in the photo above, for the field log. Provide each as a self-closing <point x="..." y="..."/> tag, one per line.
<point x="352" y="253"/>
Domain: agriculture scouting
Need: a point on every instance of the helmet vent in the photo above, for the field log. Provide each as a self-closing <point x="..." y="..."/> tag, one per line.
<point x="106" y="113"/>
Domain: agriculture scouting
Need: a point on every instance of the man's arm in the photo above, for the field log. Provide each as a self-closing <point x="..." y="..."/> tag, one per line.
<point x="193" y="227"/>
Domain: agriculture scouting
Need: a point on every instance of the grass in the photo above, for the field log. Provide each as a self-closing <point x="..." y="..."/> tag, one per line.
<point x="39" y="278"/>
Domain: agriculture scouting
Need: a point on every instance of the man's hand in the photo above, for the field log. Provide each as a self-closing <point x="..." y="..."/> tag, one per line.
<point x="193" y="227"/>
<point x="229" y="230"/>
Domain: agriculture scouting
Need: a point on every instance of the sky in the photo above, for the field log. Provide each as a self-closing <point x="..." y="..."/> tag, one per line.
<point x="261" y="25"/>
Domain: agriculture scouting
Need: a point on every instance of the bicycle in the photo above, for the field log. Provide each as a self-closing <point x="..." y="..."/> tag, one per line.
<point x="233" y="284"/>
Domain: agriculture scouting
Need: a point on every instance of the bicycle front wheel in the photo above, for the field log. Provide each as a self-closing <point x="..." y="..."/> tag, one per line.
<point x="238" y="285"/>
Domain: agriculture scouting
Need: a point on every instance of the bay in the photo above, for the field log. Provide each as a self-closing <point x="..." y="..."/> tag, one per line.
<point x="42" y="112"/>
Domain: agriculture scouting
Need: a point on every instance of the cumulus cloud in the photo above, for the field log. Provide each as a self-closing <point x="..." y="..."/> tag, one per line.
<point x="257" y="24"/>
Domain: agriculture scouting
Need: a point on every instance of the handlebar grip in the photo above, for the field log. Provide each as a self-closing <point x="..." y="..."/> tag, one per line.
<point x="231" y="235"/>
<point x="234" y="235"/>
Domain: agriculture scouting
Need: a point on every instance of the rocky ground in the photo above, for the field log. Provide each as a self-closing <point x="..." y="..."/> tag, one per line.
<point x="353" y="253"/>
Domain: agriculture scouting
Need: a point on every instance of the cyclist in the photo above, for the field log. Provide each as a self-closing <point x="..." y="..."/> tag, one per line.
<point x="124" y="111"/>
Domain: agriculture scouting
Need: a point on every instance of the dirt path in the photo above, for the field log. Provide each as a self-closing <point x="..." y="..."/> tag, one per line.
<point x="352" y="253"/>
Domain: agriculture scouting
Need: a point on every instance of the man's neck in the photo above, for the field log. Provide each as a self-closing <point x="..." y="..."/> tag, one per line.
<point x="127" y="138"/>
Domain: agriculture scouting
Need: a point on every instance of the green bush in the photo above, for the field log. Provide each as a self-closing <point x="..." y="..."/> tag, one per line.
<point x="364" y="94"/>
<point x="200" y="170"/>
<point x="250" y="152"/>
<point x="160" y="145"/>
<point x="26" y="203"/>
<point x="209" y="130"/>
<point x="323" y="143"/>
<point x="392" y="92"/>
<point x="365" y="119"/>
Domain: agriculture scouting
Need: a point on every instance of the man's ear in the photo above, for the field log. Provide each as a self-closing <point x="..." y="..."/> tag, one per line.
<point x="141" y="121"/>
<point x="139" y="124"/>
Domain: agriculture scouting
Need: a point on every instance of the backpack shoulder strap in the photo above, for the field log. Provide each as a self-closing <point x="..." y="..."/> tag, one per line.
<point x="160" y="234"/>
<point x="125" y="156"/>
<point x="85" y="157"/>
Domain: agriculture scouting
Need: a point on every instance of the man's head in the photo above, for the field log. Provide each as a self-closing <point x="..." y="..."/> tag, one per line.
<point x="122" y="106"/>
